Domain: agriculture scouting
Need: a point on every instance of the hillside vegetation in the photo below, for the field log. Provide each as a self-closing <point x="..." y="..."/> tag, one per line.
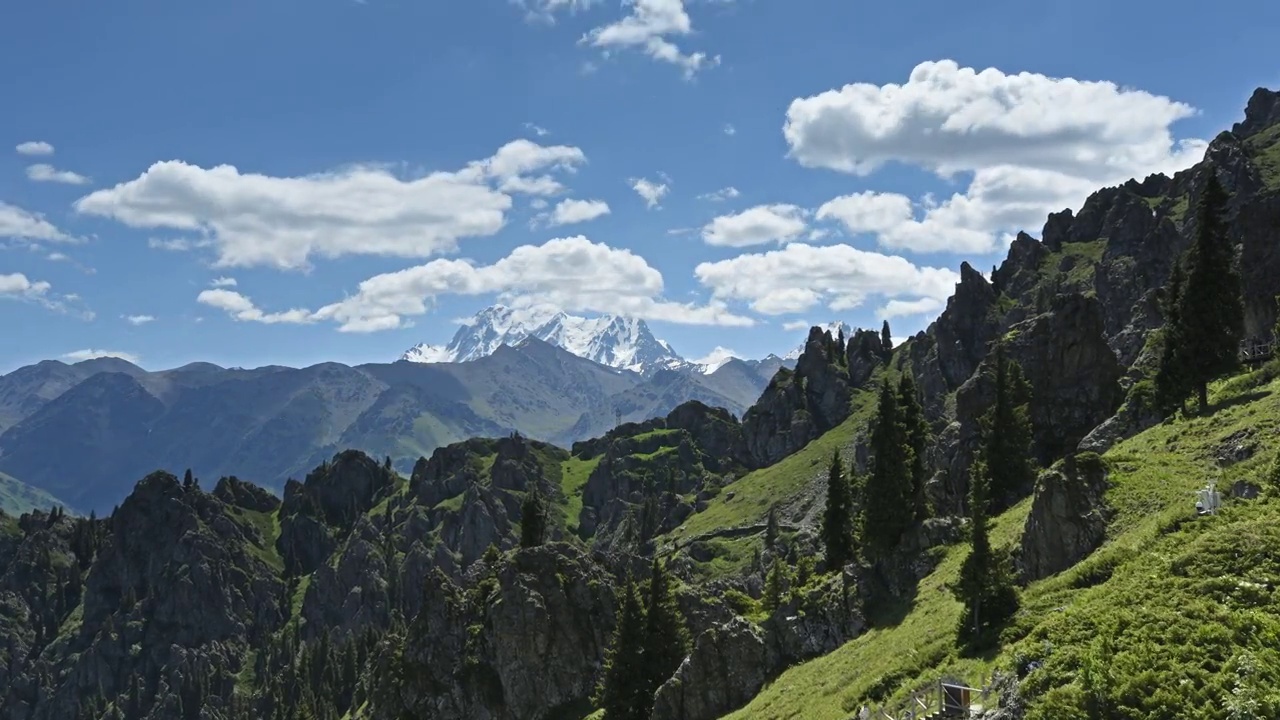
<point x="1175" y="616"/>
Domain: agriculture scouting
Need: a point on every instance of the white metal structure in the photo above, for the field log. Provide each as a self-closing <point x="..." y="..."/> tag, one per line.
<point x="1208" y="500"/>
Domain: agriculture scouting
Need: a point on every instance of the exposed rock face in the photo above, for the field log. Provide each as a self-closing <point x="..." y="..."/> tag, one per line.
<point x="964" y="331"/>
<point x="801" y="405"/>
<point x="728" y="666"/>
<point x="1068" y="518"/>
<point x="543" y="629"/>
<point x="177" y="591"/>
<point x="732" y="661"/>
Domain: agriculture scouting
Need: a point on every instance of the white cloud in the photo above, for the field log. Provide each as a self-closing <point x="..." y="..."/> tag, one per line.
<point x="175" y="244"/>
<point x="919" y="306"/>
<point x="43" y="172"/>
<point x="716" y="358"/>
<point x="242" y="308"/>
<point x="647" y="28"/>
<point x="730" y="130"/>
<point x="136" y="320"/>
<point x="82" y="355"/>
<point x="796" y="325"/>
<point x="650" y="191"/>
<point x="545" y="10"/>
<point x="17" y="286"/>
<point x="537" y="129"/>
<point x="724" y="193"/>
<point x="254" y="219"/>
<point x="570" y="274"/>
<point x="223" y="282"/>
<point x="570" y="211"/>
<point x="22" y="224"/>
<point x="1033" y="144"/>
<point x="799" y="277"/>
<point x="778" y="223"/>
<point x="34" y="147"/>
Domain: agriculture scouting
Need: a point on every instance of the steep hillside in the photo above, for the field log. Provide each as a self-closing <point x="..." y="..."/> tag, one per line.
<point x="1174" y="610"/>
<point x="17" y="497"/>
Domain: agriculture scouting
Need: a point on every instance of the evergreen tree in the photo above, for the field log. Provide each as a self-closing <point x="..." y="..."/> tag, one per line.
<point x="886" y="340"/>
<point x="186" y="479"/>
<point x="917" y="434"/>
<point x="622" y="689"/>
<point x="1212" y="306"/>
<point x="774" y="586"/>
<point x="771" y="528"/>
<point x="666" y="637"/>
<point x="1173" y="380"/>
<point x="887" y="503"/>
<point x="533" y="518"/>
<point x="986" y="583"/>
<point x="837" y="521"/>
<point x="1006" y="441"/>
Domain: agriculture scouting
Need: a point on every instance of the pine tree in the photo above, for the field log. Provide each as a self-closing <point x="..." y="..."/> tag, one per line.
<point x="1173" y="380"/>
<point x="771" y="528"/>
<point x="886" y="340"/>
<point x="187" y="480"/>
<point x="533" y="518"/>
<point x="1006" y="441"/>
<point x="666" y="637"/>
<point x="837" y="521"/>
<point x="917" y="434"/>
<point x="1212" y="308"/>
<point x="774" y="586"/>
<point x="986" y="583"/>
<point x="621" y="692"/>
<point x="887" y="503"/>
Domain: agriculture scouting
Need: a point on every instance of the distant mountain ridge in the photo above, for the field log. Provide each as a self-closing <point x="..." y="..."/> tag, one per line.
<point x="611" y="340"/>
<point x="76" y="431"/>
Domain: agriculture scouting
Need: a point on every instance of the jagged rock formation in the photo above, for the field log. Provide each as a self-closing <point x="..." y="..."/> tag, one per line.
<point x="1068" y="518"/>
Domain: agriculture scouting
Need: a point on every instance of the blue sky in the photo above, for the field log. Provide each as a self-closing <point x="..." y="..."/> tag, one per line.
<point x="428" y="150"/>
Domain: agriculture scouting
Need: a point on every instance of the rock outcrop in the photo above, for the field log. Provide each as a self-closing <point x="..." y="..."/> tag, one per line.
<point x="1068" y="518"/>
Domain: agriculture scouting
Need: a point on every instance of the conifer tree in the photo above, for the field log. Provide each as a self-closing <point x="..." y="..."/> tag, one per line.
<point x="774" y="586"/>
<point x="1006" y="441"/>
<point x="666" y="637"/>
<point x="771" y="527"/>
<point x="1172" y="380"/>
<point x="986" y="583"/>
<point x="622" y="689"/>
<point x="887" y="503"/>
<point x="886" y="340"/>
<point x="837" y="521"/>
<point x="533" y="518"/>
<point x="1212" y="312"/>
<point x="917" y="435"/>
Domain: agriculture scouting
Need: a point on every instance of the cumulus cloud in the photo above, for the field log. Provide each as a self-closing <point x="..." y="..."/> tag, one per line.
<point x="651" y="192"/>
<point x="796" y="325"/>
<point x="724" y="193"/>
<point x="25" y="225"/>
<point x="919" y="306"/>
<point x="778" y="223"/>
<point x="136" y="320"/>
<point x="545" y="10"/>
<point x="648" y="28"/>
<point x="242" y="308"/>
<point x="570" y="274"/>
<point x="254" y="219"/>
<point x="43" y="172"/>
<point x="82" y="355"/>
<point x="1033" y="144"/>
<point x="800" y="277"/>
<point x="537" y="129"/>
<point x="570" y="211"/>
<point x="223" y="282"/>
<point x="17" y="286"/>
<point x="34" y="147"/>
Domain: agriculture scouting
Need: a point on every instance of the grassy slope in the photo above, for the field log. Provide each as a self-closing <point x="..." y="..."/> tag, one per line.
<point x="1188" y="605"/>
<point x="17" y="497"/>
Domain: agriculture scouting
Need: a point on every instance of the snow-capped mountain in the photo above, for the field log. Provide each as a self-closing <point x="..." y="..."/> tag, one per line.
<point x="624" y="343"/>
<point x="835" y="328"/>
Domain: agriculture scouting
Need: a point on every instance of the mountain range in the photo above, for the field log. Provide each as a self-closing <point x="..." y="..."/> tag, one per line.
<point x="611" y="340"/>
<point x="79" y="431"/>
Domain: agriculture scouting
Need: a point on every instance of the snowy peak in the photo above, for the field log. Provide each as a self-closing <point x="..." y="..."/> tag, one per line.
<point x="618" y="342"/>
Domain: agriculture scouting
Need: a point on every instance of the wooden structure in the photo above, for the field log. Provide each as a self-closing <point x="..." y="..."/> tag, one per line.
<point x="1255" y="351"/>
<point x="942" y="700"/>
